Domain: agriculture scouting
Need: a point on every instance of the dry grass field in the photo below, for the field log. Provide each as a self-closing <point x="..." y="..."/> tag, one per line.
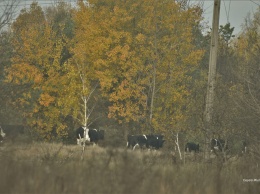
<point x="41" y="168"/>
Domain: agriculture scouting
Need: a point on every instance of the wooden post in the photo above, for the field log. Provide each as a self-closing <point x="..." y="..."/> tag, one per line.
<point x="211" y="77"/>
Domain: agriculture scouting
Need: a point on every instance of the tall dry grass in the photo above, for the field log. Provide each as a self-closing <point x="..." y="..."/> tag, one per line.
<point x="57" y="168"/>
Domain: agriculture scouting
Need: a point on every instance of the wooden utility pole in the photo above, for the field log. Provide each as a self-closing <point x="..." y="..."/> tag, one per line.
<point x="211" y="77"/>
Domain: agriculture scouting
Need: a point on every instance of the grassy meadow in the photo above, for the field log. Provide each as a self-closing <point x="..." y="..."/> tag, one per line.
<point x="56" y="168"/>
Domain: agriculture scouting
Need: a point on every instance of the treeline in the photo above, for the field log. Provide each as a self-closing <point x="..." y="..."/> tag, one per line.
<point x="139" y="66"/>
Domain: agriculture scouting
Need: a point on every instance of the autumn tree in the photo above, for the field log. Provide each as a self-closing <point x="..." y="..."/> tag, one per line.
<point x="138" y="57"/>
<point x="40" y="73"/>
<point x="143" y="57"/>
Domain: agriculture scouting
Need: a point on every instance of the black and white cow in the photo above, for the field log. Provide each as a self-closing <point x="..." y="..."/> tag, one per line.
<point x="148" y="141"/>
<point x="95" y="135"/>
<point x="191" y="146"/>
<point x="136" y="140"/>
<point x="218" y="145"/>
<point x="90" y="135"/>
<point x="132" y="141"/>
<point x="82" y="135"/>
<point x="2" y="135"/>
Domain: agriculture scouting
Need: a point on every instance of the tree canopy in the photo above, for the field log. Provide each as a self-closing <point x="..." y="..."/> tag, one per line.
<point x="142" y="64"/>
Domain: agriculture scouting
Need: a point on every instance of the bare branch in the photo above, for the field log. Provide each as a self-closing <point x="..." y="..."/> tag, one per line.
<point x="8" y="9"/>
<point x="90" y="94"/>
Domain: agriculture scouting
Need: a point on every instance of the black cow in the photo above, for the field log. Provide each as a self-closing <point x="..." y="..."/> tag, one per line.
<point x="96" y="135"/>
<point x="218" y="145"/>
<point x="154" y="141"/>
<point x="190" y="146"/>
<point x="82" y="134"/>
<point x="2" y="134"/>
<point x="132" y="141"/>
<point x="136" y="140"/>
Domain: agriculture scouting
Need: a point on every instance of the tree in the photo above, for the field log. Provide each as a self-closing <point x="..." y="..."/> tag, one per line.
<point x="246" y="89"/>
<point x="142" y="56"/>
<point x="8" y="10"/>
<point x="40" y="73"/>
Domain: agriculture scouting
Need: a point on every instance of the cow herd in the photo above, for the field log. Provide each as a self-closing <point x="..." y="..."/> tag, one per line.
<point x="150" y="141"/>
<point x="216" y="145"/>
<point x="83" y="134"/>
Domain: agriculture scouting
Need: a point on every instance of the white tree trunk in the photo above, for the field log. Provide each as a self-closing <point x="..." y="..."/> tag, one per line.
<point x="177" y="144"/>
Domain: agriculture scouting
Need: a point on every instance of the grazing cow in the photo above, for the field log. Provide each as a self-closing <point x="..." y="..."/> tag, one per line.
<point x="136" y="140"/>
<point x="2" y="134"/>
<point x="148" y="141"/>
<point x="142" y="141"/>
<point x="190" y="146"/>
<point x="131" y="141"/>
<point x="82" y="135"/>
<point x="218" y="145"/>
<point x="96" y="135"/>
<point x="155" y="141"/>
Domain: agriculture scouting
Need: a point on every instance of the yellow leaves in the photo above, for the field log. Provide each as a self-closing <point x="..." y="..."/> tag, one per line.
<point x="23" y="74"/>
<point x="46" y="99"/>
<point x="126" y="44"/>
<point x="194" y="57"/>
<point x="126" y="49"/>
<point x="119" y="54"/>
<point x="140" y="38"/>
<point x="242" y="46"/>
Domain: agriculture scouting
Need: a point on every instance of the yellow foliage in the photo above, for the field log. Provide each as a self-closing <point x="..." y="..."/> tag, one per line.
<point x="138" y="52"/>
<point x="45" y="99"/>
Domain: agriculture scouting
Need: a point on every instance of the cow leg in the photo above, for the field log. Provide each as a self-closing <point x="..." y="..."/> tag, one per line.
<point x="135" y="146"/>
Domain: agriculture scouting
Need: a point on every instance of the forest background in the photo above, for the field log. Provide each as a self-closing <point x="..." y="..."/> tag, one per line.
<point x="129" y="67"/>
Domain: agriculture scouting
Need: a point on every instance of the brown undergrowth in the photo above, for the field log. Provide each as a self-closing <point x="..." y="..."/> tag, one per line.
<point x="57" y="168"/>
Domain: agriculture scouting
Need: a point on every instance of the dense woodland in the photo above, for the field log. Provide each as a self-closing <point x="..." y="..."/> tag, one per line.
<point x="128" y="67"/>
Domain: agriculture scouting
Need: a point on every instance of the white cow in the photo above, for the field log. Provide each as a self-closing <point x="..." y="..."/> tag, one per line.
<point x="82" y="135"/>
